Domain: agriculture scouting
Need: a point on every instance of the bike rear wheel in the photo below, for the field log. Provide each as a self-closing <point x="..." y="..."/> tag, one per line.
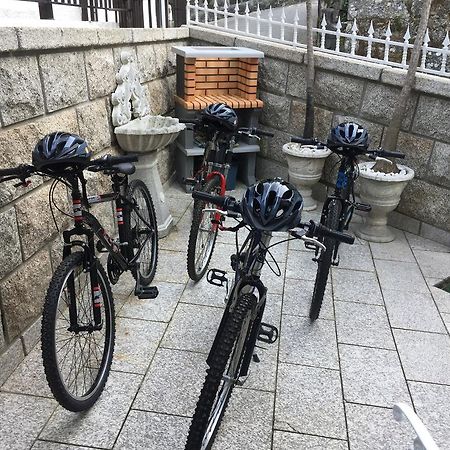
<point x="324" y="262"/>
<point x="203" y="234"/>
<point x="140" y="234"/>
<point x="222" y="375"/>
<point x="77" y="363"/>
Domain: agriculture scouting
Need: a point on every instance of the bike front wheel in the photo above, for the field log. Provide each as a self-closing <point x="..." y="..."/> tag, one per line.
<point x="142" y="231"/>
<point x="203" y="234"/>
<point x="324" y="260"/>
<point x="222" y="375"/>
<point x="76" y="354"/>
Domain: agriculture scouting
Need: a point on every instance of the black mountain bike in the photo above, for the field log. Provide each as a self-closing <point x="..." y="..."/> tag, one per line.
<point x="211" y="178"/>
<point x="241" y="325"/>
<point x="78" y="324"/>
<point x="337" y="211"/>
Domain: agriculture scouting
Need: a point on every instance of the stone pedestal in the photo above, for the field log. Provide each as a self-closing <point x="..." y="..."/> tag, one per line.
<point x="147" y="171"/>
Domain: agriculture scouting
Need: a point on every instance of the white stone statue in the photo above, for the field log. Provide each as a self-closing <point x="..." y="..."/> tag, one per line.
<point x="129" y="99"/>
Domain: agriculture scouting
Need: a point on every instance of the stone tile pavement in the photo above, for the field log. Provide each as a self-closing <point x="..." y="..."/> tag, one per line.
<point x="383" y="337"/>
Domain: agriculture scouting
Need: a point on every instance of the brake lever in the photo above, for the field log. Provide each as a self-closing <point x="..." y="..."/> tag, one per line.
<point x="378" y="158"/>
<point x="254" y="136"/>
<point x="231" y="214"/>
<point x="300" y="233"/>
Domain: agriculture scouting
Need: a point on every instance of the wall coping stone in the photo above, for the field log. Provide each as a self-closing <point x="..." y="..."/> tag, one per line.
<point x="9" y="40"/>
<point x="49" y="38"/>
<point x="426" y="83"/>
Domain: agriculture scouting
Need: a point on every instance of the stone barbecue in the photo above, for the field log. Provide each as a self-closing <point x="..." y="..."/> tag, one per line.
<point x="207" y="75"/>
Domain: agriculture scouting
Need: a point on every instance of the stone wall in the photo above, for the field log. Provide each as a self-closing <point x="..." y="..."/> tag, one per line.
<point x="349" y="89"/>
<point x="60" y="79"/>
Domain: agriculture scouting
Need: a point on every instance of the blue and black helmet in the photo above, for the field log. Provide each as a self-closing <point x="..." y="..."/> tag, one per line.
<point x="349" y="134"/>
<point x="60" y="150"/>
<point x="272" y="205"/>
<point x="222" y="115"/>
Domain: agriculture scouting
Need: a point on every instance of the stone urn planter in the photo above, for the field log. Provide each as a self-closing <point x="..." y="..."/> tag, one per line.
<point x="382" y="191"/>
<point x="305" y="163"/>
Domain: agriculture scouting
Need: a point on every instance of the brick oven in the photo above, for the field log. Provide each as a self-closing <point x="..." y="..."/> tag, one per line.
<point x="207" y="75"/>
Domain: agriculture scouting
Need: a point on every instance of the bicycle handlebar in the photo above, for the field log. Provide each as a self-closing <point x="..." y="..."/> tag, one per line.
<point x="224" y="202"/>
<point x="21" y="171"/>
<point x="371" y="153"/>
<point x="313" y="229"/>
<point x="305" y="141"/>
<point x="319" y="230"/>
<point x="254" y="132"/>
<point x="385" y="153"/>
<point x="109" y="160"/>
<point x="191" y="121"/>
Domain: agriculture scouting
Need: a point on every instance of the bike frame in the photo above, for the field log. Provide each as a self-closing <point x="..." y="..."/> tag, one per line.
<point x="248" y="266"/>
<point x="342" y="191"/>
<point x="86" y="224"/>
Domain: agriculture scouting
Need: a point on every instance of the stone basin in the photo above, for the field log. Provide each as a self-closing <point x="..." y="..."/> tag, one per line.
<point x="148" y="133"/>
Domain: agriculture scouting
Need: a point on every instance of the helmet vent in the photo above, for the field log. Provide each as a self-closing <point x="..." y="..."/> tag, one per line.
<point x="287" y="195"/>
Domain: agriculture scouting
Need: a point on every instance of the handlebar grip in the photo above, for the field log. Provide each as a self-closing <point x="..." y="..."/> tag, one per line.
<point x="321" y="230"/>
<point x="110" y="160"/>
<point x="192" y="121"/>
<point x="263" y="133"/>
<point x="210" y="198"/>
<point x="304" y="141"/>
<point x="391" y="154"/>
<point x="23" y="169"/>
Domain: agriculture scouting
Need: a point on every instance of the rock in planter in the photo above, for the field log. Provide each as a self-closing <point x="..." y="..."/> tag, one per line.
<point x="382" y="191"/>
<point x="305" y="164"/>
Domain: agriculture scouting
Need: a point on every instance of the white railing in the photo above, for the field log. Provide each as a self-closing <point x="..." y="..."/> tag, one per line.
<point x="348" y="44"/>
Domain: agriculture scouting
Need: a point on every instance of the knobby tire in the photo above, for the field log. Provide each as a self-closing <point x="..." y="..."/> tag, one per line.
<point x="230" y="334"/>
<point x="324" y="262"/>
<point x="51" y="329"/>
<point x="212" y="187"/>
<point x="146" y="275"/>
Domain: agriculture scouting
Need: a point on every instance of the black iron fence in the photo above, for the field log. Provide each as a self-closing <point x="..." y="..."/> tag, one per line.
<point x="127" y="13"/>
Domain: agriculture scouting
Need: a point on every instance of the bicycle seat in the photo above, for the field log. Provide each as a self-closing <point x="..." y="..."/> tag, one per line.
<point x="125" y="168"/>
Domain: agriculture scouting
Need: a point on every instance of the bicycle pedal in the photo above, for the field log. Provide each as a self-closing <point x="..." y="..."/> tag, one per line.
<point x="335" y="262"/>
<point x="267" y="333"/>
<point x="217" y="277"/>
<point x="362" y="207"/>
<point x="190" y="181"/>
<point x="146" y="292"/>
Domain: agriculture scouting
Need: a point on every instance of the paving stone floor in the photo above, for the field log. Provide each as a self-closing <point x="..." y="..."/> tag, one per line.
<point x="383" y="337"/>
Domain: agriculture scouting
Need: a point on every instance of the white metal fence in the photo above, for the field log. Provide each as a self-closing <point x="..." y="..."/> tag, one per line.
<point x="263" y="25"/>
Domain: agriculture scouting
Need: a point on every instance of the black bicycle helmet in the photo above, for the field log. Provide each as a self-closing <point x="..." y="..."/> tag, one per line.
<point x="60" y="150"/>
<point x="272" y="205"/>
<point x="349" y="134"/>
<point x="221" y="115"/>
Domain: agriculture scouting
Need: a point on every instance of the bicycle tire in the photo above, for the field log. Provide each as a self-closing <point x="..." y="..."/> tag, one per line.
<point x="196" y="273"/>
<point x="233" y="329"/>
<point x="139" y="191"/>
<point x="324" y="262"/>
<point x="53" y="366"/>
